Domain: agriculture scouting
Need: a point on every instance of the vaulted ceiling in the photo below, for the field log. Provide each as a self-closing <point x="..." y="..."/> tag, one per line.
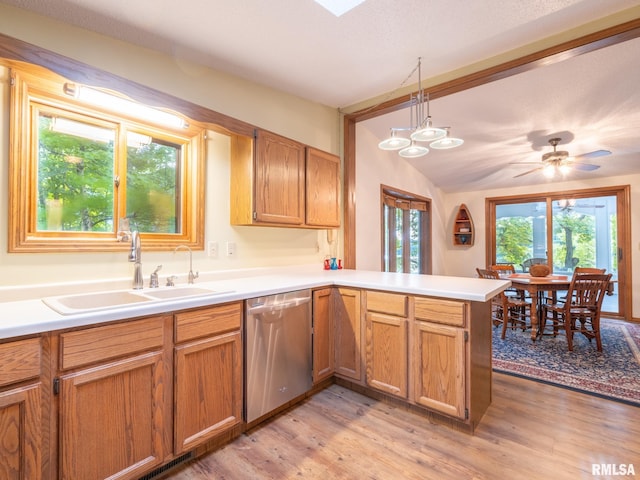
<point x="298" y="47"/>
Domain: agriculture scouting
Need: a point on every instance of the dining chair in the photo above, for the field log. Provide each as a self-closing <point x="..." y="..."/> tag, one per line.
<point x="506" y="310"/>
<point x="507" y="269"/>
<point x="526" y="265"/>
<point x="581" y="271"/>
<point x="582" y="313"/>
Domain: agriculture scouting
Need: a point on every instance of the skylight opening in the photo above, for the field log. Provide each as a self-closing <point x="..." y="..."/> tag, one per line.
<point x="339" y="7"/>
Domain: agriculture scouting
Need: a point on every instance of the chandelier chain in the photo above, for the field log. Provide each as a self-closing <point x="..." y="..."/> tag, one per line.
<point x="393" y="92"/>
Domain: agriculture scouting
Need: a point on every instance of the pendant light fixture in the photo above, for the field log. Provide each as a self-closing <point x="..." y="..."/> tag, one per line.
<point x="422" y="130"/>
<point x="446" y="142"/>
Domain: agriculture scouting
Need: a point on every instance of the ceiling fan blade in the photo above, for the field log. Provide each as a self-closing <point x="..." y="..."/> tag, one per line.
<point x="585" y="167"/>
<point x="527" y="173"/>
<point x="524" y="163"/>
<point x="594" y="154"/>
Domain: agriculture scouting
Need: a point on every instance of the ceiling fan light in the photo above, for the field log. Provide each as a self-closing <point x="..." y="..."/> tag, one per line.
<point x="549" y="171"/>
<point x="564" y="168"/>
<point x="413" y="151"/>
<point x="394" y="143"/>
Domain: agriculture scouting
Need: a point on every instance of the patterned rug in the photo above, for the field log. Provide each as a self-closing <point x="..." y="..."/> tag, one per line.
<point x="614" y="373"/>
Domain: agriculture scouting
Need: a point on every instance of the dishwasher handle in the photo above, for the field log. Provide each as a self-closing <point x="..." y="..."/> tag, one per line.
<point x="276" y="306"/>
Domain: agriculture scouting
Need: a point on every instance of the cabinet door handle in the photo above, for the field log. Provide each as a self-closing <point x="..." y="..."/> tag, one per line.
<point x="56" y="386"/>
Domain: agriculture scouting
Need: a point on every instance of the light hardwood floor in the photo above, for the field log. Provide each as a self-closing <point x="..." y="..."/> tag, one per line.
<point x="530" y="431"/>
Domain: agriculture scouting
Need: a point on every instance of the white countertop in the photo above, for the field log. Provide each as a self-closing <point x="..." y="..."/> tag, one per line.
<point x="30" y="316"/>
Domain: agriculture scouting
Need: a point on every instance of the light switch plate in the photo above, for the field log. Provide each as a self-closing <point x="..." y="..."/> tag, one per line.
<point x="212" y="249"/>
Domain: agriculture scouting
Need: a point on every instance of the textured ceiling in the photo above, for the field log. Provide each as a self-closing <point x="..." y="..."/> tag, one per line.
<point x="591" y="101"/>
<point x="299" y="47"/>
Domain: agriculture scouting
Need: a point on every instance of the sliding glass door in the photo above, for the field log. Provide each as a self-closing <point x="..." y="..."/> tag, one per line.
<point x="521" y="233"/>
<point x="565" y="230"/>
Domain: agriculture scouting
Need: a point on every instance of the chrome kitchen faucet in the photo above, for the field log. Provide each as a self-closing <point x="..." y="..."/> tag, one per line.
<point x="135" y="255"/>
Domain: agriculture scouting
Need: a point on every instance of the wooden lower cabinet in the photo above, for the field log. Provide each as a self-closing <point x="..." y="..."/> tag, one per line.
<point x="323" y="334"/>
<point x="113" y="411"/>
<point x="348" y="334"/>
<point x="111" y="419"/>
<point x="439" y="373"/>
<point x="208" y="374"/>
<point x="21" y="418"/>
<point x="21" y="444"/>
<point x="386" y="353"/>
<point x="386" y="342"/>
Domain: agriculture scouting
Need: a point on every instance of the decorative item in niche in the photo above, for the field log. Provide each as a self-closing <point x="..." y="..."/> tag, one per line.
<point x="463" y="233"/>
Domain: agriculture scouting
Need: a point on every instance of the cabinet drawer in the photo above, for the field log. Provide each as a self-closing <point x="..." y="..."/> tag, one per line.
<point x="391" y="303"/>
<point x="206" y="322"/>
<point x="97" y="344"/>
<point x="20" y="361"/>
<point x="436" y="310"/>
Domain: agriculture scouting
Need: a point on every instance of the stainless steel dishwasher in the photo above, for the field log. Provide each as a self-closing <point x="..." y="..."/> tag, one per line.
<point x="278" y="355"/>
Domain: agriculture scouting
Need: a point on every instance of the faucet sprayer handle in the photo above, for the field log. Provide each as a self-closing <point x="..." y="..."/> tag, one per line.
<point x="153" y="281"/>
<point x="170" y="280"/>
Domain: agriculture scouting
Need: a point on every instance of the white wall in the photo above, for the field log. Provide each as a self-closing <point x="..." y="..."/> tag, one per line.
<point x="307" y="122"/>
<point x="376" y="167"/>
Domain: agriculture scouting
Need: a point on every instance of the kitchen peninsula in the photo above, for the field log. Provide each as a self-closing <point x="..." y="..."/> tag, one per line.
<point x="169" y="370"/>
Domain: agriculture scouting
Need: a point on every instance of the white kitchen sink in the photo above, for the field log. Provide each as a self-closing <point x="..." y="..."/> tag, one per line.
<point x="70" y="304"/>
<point x="90" y="302"/>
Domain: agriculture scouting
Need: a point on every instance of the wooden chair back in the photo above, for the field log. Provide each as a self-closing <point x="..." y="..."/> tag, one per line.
<point x="487" y="273"/>
<point x="505" y="309"/>
<point x="587" y="291"/>
<point x="582" y="270"/>
<point x="503" y="268"/>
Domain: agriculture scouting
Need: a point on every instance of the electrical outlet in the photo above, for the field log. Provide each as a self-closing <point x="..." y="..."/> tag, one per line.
<point x="231" y="249"/>
<point x="212" y="249"/>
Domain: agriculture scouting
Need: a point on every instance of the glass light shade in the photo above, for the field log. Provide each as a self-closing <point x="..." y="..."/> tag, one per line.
<point x="549" y="171"/>
<point x="394" y="143"/>
<point x="428" y="133"/>
<point x="413" y="151"/>
<point x="446" y="142"/>
<point x="564" y="168"/>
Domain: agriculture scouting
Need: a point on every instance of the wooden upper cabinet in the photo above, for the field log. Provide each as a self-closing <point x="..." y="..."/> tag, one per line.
<point x="322" y="189"/>
<point x="279" y="184"/>
<point x="276" y="181"/>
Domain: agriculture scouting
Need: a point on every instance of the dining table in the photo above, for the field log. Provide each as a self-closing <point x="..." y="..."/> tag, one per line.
<point x="537" y="287"/>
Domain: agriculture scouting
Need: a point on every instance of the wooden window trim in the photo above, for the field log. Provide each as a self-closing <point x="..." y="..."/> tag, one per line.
<point x="33" y="86"/>
<point x="623" y="207"/>
<point x="406" y="201"/>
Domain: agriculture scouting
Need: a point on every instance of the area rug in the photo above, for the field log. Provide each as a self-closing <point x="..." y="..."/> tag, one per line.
<point x="613" y="373"/>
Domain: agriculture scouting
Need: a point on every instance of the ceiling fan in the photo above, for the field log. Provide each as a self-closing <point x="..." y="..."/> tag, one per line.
<point x="560" y="161"/>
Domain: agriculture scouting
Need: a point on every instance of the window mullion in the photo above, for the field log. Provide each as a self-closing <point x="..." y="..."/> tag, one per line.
<point x="120" y="178"/>
<point x="406" y="241"/>
<point x="391" y="247"/>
